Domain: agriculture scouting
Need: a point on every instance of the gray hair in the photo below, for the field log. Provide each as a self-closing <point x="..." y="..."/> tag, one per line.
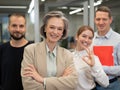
<point x="57" y="14"/>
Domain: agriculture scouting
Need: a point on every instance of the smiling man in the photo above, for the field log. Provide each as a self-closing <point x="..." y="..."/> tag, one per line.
<point x="106" y="36"/>
<point x="11" y="53"/>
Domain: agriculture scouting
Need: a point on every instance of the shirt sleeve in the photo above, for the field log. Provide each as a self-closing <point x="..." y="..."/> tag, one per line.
<point x="117" y="54"/>
<point x="114" y="70"/>
<point x="99" y="74"/>
<point x="28" y="82"/>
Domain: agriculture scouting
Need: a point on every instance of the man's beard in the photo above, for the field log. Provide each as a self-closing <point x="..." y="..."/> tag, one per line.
<point x="17" y="38"/>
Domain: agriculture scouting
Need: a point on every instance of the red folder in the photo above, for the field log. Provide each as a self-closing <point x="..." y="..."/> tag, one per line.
<point x="105" y="54"/>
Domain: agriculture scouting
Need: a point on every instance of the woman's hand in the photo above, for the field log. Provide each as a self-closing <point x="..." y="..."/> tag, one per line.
<point x="67" y="71"/>
<point x="89" y="59"/>
<point x="30" y="71"/>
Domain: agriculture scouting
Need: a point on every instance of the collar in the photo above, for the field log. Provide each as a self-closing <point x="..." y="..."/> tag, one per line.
<point x="54" y="51"/>
<point x="107" y="36"/>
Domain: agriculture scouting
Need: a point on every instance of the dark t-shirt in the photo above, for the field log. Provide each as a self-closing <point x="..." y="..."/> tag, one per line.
<point x="10" y="60"/>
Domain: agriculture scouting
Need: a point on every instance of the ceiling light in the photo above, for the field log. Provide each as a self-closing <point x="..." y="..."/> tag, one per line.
<point x="62" y="7"/>
<point x="98" y="3"/>
<point x="15" y="7"/>
<point x="80" y="9"/>
<point x="75" y="11"/>
<point x="42" y="0"/>
<point x="31" y="6"/>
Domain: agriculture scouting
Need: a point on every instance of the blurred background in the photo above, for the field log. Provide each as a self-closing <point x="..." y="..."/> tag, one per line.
<point x="79" y="12"/>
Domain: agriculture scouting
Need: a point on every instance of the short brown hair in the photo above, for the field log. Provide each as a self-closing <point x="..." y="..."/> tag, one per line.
<point x="16" y="14"/>
<point x="83" y="28"/>
<point x="104" y="9"/>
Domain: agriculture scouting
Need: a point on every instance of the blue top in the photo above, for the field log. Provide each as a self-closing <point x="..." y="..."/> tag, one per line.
<point x="110" y="39"/>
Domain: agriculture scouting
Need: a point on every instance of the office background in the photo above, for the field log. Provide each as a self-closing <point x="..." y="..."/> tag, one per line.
<point x="79" y="12"/>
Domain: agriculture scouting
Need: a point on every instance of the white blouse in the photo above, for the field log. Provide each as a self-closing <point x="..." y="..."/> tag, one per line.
<point x="87" y="75"/>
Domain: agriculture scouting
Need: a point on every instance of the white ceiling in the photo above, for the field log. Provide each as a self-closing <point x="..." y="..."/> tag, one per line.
<point x="13" y="3"/>
<point x="52" y="4"/>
